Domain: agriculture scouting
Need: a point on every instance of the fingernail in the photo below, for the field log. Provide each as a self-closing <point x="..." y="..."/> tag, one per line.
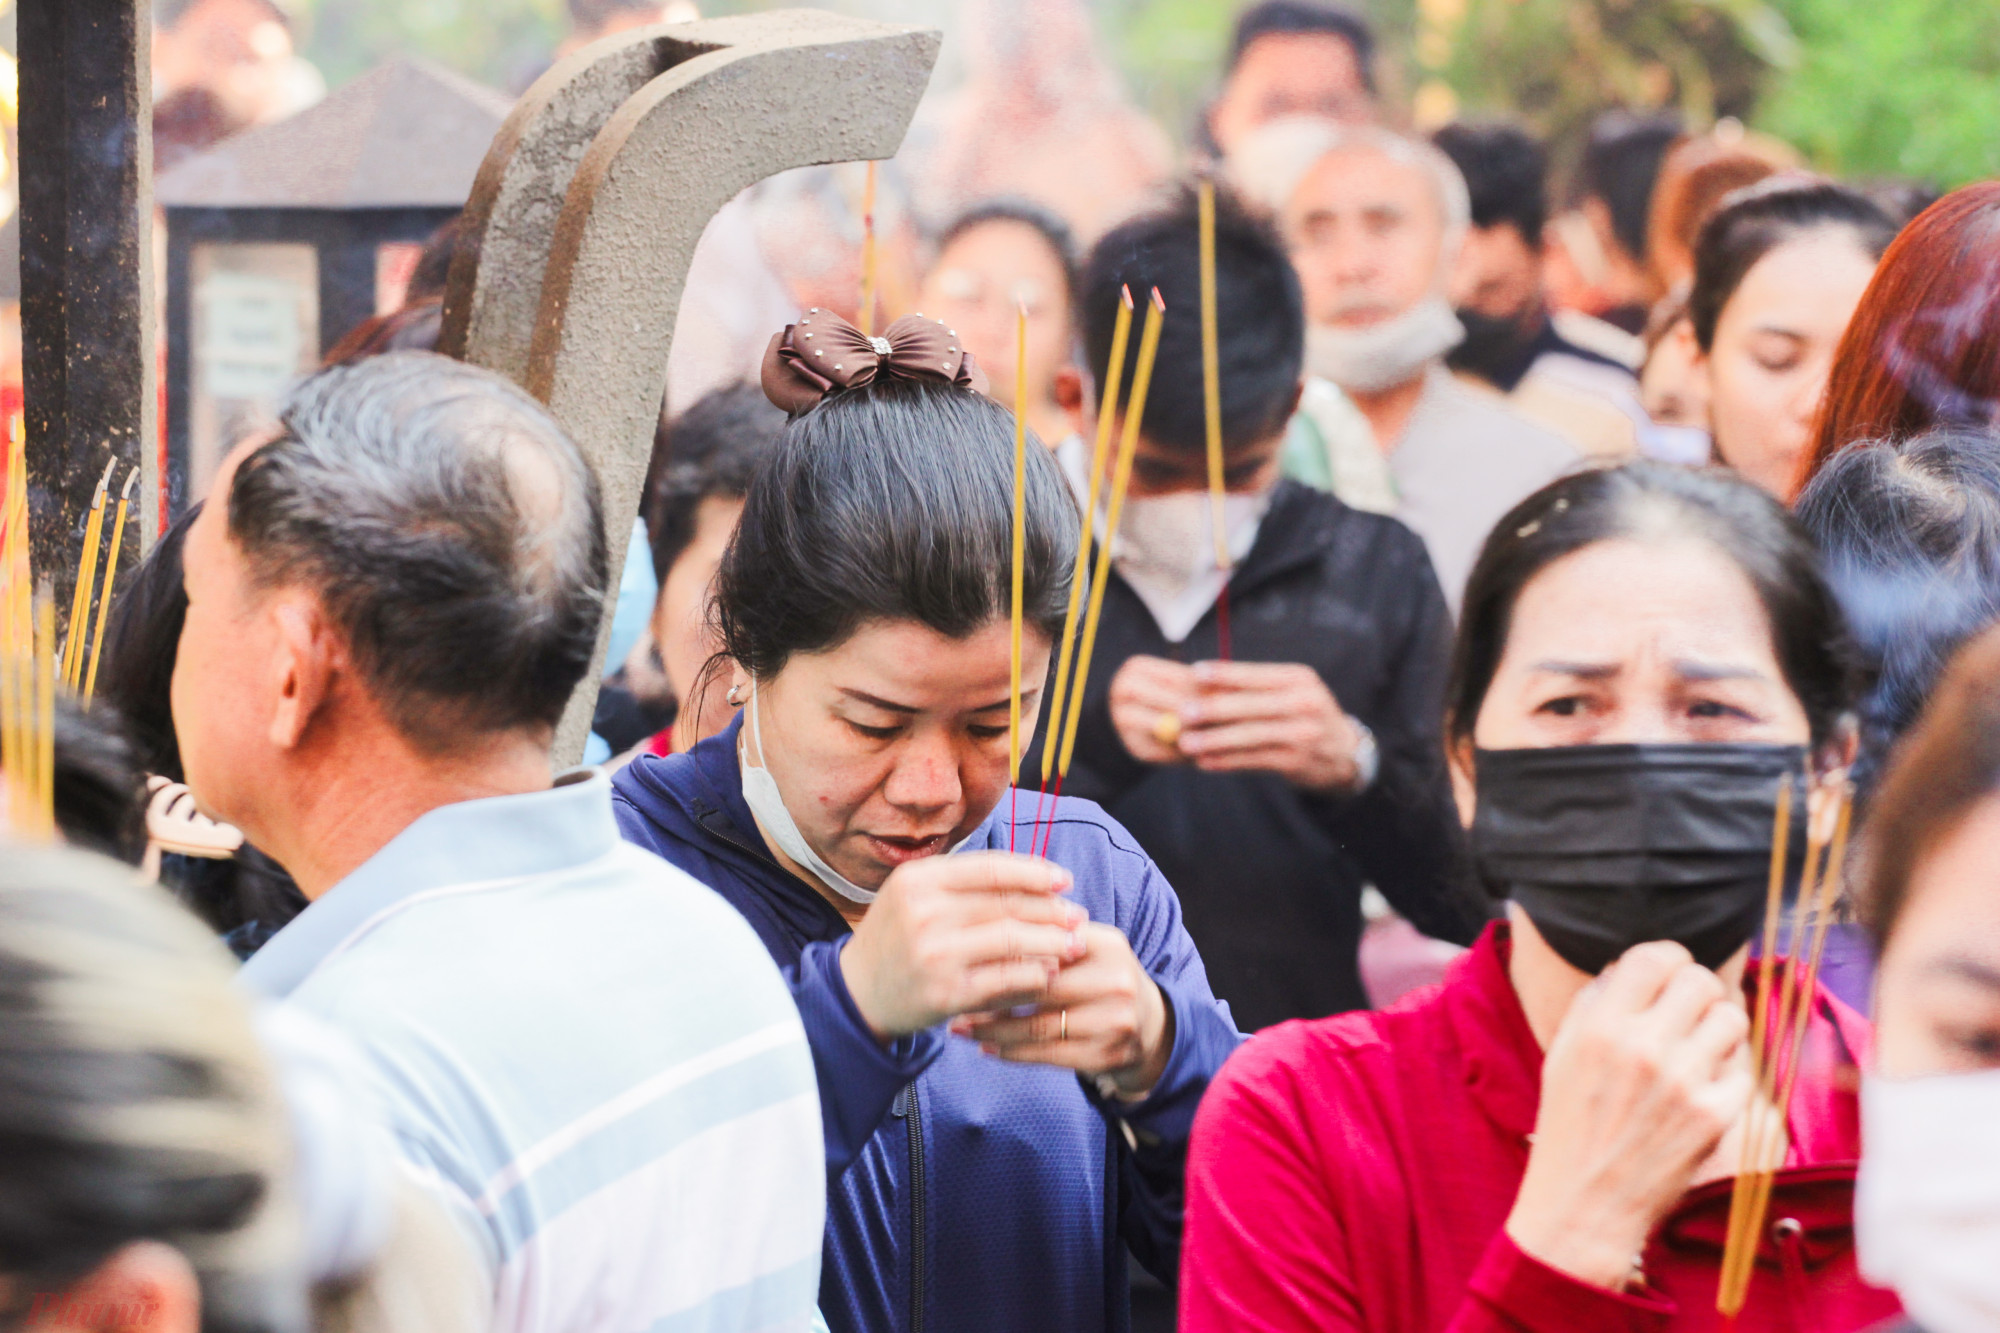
<point x="1061" y="879"/>
<point x="1190" y="715"/>
<point x="1189" y="744"/>
<point x="988" y="1048"/>
<point x="1204" y="670"/>
<point x="1075" y="944"/>
<point x="1076" y="915"/>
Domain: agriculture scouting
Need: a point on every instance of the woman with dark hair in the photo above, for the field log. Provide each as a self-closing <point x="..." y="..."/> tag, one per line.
<point x="859" y="815"/>
<point x="241" y="893"/>
<point x="1923" y="347"/>
<point x="1778" y="270"/>
<point x="1546" y="1140"/>
<point x="1910" y="534"/>
<point x="1927" y="1214"/>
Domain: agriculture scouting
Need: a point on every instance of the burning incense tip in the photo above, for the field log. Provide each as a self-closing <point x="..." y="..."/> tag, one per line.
<point x="1125" y="294"/>
<point x="1159" y="301"/>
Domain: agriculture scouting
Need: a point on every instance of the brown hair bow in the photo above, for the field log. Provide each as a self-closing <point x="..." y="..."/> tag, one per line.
<point x="823" y="352"/>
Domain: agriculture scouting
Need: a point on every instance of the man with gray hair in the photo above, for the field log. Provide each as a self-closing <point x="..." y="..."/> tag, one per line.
<point x="1374" y="221"/>
<point x="587" y="1056"/>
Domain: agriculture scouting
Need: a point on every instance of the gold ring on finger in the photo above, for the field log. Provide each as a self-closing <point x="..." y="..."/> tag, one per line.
<point x="1167" y="729"/>
<point x="1062" y="1027"/>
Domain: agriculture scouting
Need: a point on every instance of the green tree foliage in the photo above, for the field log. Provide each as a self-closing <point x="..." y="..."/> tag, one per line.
<point x="499" y="42"/>
<point x="1907" y="88"/>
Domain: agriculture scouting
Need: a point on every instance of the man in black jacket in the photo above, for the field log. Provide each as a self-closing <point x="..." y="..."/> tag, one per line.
<point x="1273" y="786"/>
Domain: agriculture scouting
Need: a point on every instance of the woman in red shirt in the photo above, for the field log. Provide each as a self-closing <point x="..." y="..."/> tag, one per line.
<point x="1546" y="1140"/>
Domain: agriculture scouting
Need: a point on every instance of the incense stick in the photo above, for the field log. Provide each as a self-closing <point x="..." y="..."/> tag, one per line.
<point x="110" y="577"/>
<point x="867" y="320"/>
<point x="1020" y="566"/>
<point x="1128" y="443"/>
<point x="1211" y="369"/>
<point x="86" y="579"/>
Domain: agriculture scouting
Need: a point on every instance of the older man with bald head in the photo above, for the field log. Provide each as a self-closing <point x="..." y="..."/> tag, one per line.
<point x="1374" y="221"/>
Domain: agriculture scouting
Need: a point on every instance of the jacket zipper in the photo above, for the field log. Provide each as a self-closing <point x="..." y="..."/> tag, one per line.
<point x="909" y="1107"/>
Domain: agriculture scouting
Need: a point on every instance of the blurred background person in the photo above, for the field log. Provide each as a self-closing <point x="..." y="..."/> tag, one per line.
<point x="1697" y="174"/>
<point x="713" y="451"/>
<point x="1643" y="649"/>
<point x="1292" y="58"/>
<point x="1923" y="347"/>
<point x="1779" y="270"/>
<point x="1307" y="763"/>
<point x="1927" y="1212"/>
<point x="1375" y="222"/>
<point x="991" y="259"/>
<point x="240" y="55"/>
<point x="1910" y="533"/>
<point x="1042" y="114"/>
<point x="1673" y="388"/>
<point x="594" y="20"/>
<point x="145" y="1181"/>
<point x="1598" y="264"/>
<point x="1499" y="294"/>
<point x="1910" y="536"/>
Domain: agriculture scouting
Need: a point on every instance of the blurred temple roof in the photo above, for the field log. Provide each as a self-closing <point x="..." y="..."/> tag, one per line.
<point x="407" y="134"/>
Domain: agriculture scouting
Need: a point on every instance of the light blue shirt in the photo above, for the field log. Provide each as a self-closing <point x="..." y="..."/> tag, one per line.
<point x="588" y="1056"/>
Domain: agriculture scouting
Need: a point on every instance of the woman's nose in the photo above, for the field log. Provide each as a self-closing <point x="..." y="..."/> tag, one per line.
<point x="925" y="776"/>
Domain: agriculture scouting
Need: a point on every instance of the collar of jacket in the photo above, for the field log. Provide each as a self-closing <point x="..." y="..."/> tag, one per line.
<point x="1296" y="531"/>
<point x="1503" y="1061"/>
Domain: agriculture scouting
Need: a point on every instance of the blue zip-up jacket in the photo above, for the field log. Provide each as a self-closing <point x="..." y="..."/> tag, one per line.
<point x="965" y="1194"/>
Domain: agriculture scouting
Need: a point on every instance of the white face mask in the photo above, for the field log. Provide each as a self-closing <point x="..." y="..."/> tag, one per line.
<point x="761" y="794"/>
<point x="1382" y="356"/>
<point x="1927" y="1206"/>
<point x="1166" y="551"/>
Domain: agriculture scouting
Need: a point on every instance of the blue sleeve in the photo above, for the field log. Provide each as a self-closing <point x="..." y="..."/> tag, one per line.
<point x="1153" y="1156"/>
<point x="858" y="1076"/>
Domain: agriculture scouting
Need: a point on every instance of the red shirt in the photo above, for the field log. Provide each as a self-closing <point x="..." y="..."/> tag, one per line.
<point x="1355" y="1172"/>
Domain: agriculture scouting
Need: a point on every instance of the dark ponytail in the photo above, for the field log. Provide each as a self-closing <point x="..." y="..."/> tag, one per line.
<point x="891" y="502"/>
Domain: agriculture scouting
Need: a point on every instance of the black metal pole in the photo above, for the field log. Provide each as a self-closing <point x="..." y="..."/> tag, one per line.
<point x="86" y="268"/>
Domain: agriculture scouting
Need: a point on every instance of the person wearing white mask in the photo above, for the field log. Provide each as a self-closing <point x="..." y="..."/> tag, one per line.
<point x="1375" y="222"/>
<point x="1927" y="1206"/>
<point x="1273" y="775"/>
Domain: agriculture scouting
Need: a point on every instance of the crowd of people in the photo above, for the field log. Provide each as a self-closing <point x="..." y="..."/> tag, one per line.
<point x="1393" y="954"/>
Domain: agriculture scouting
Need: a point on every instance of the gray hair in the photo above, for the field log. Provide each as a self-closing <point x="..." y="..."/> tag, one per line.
<point x="451" y="529"/>
<point x="135" y="1101"/>
<point x="1271" y="162"/>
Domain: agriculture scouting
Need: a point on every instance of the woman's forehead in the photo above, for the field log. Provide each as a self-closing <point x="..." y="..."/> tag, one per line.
<point x="1681" y="598"/>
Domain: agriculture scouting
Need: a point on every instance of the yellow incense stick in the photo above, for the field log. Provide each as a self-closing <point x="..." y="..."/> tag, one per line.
<point x="867" y="320"/>
<point x="43" y="738"/>
<point x="110" y="577"/>
<point x="1107" y="413"/>
<point x="1020" y="543"/>
<point x="86" y="580"/>
<point x="1211" y="370"/>
<point x="1128" y="443"/>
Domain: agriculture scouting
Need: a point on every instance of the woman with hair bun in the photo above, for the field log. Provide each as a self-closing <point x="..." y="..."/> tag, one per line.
<point x="1544" y="1143"/>
<point x="1009" y="1048"/>
<point x="1778" y="270"/>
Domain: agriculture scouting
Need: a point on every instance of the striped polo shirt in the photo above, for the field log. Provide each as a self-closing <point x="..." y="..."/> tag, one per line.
<point x="590" y="1058"/>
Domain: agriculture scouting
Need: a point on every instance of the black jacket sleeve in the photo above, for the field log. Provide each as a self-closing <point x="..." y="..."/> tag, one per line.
<point x="1403" y="831"/>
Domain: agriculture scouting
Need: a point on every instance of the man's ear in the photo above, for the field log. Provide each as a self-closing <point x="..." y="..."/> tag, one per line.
<point x="1464" y="790"/>
<point x="307" y="658"/>
<point x="1069" y="397"/>
<point x="145" y="1286"/>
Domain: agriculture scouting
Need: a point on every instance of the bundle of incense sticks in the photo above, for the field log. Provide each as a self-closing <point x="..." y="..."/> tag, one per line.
<point x="1211" y="384"/>
<point x="27" y="669"/>
<point x="1778" y="1024"/>
<point x="1063" y="726"/>
<point x="110" y="578"/>
<point x="86" y="583"/>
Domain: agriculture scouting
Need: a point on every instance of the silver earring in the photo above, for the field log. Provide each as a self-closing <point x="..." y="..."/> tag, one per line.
<point x="734" y="695"/>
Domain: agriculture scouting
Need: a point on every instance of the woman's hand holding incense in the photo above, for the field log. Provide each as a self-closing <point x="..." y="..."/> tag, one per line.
<point x="1102" y="1016"/>
<point x="949" y="935"/>
<point x="1641" y="1081"/>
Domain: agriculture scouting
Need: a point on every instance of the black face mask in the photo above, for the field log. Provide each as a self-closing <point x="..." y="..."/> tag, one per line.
<point x="1497" y="348"/>
<point x="1608" y="846"/>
